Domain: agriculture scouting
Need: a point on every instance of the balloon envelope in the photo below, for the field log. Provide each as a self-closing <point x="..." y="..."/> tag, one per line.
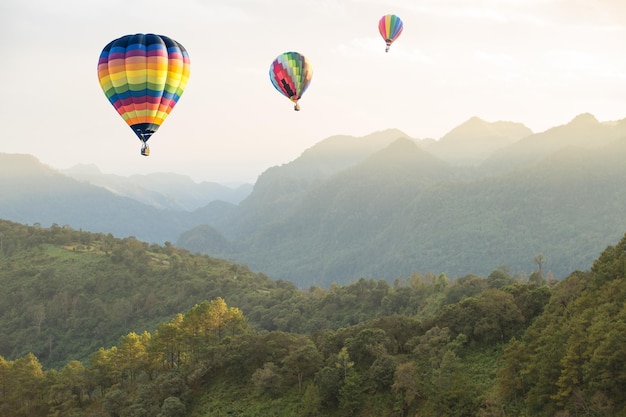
<point x="291" y="75"/>
<point x="143" y="76"/>
<point x="390" y="27"/>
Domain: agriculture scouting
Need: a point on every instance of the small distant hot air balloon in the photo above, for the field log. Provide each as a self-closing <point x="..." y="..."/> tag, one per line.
<point x="291" y="75"/>
<point x="390" y="27"/>
<point x="143" y="76"/>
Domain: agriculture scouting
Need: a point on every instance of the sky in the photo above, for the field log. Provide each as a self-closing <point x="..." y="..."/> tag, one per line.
<point x="536" y="62"/>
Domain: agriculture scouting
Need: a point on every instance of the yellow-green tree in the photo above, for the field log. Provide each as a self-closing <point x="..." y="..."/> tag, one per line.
<point x="68" y="389"/>
<point x="25" y="379"/>
<point x="102" y="368"/>
<point x="166" y="347"/>
<point x="131" y="355"/>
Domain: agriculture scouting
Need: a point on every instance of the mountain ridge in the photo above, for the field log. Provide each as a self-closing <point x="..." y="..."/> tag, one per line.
<point x="382" y="205"/>
<point x="161" y="190"/>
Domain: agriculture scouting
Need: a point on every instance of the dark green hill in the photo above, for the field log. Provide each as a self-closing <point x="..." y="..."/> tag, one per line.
<point x="65" y="293"/>
<point x="113" y="304"/>
<point x="471" y="347"/>
<point x="571" y="360"/>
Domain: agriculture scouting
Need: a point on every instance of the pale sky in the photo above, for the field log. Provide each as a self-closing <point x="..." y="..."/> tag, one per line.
<point x="537" y="62"/>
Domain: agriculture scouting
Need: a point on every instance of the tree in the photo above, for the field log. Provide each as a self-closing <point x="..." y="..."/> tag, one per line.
<point x="204" y="324"/>
<point x="311" y="401"/>
<point x="166" y="346"/>
<point x="4" y="378"/>
<point x="351" y="393"/>
<point x="510" y="388"/>
<point x="454" y="394"/>
<point x="25" y="390"/>
<point x="115" y="401"/>
<point x="329" y="380"/>
<point x="540" y="260"/>
<point x="368" y="345"/>
<point x="267" y="380"/>
<point x="381" y="372"/>
<point x="537" y="277"/>
<point x="69" y="388"/>
<point x="303" y="362"/>
<point x="343" y="361"/>
<point x="405" y="385"/>
<point x="499" y="278"/>
<point x="131" y="355"/>
<point x="102" y="368"/>
<point x="172" y="407"/>
<point x="497" y="317"/>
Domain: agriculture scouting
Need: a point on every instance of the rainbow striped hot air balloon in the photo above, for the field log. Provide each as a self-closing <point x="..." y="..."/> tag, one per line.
<point x="291" y="75"/>
<point x="390" y="27"/>
<point x="143" y="76"/>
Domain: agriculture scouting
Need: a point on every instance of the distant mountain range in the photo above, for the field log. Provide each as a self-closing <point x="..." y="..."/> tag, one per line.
<point x="380" y="206"/>
<point x="161" y="190"/>
<point x="154" y="208"/>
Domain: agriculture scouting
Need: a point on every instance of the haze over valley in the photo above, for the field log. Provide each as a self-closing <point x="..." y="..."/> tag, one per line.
<point x="485" y="195"/>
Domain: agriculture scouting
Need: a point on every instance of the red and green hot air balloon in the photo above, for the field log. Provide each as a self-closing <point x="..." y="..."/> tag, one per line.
<point x="390" y="27"/>
<point x="143" y="76"/>
<point x="291" y="75"/>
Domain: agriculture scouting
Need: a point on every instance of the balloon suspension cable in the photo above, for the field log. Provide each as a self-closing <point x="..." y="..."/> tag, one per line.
<point x="145" y="150"/>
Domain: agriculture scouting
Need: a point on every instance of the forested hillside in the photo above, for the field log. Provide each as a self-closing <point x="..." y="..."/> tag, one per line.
<point x="246" y="345"/>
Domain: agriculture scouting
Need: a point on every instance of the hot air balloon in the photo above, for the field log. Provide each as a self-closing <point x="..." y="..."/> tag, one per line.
<point x="291" y="75"/>
<point x="390" y="27"/>
<point x="143" y="76"/>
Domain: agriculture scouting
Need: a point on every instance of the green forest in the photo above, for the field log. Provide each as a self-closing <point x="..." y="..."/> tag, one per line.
<point x="92" y="325"/>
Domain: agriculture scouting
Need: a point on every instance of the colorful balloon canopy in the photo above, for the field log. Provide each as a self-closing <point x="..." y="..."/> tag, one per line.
<point x="143" y="76"/>
<point x="291" y="75"/>
<point x="390" y="27"/>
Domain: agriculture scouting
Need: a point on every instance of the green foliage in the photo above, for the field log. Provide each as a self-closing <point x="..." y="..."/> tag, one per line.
<point x="571" y="358"/>
<point x="470" y="347"/>
<point x="68" y="293"/>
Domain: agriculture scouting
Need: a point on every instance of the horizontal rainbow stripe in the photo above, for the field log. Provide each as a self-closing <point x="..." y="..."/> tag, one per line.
<point x="143" y="76"/>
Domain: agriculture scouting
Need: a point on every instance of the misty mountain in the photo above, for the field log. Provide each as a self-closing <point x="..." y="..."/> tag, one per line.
<point x="584" y="131"/>
<point x="403" y="209"/>
<point x="34" y="193"/>
<point x="379" y="206"/>
<point x="279" y="189"/>
<point x="475" y="140"/>
<point x="161" y="190"/>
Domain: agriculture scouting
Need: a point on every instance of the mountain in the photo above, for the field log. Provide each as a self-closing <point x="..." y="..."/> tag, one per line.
<point x="34" y="193"/>
<point x="379" y="206"/>
<point x="161" y="190"/>
<point x="475" y="140"/>
<point x="584" y="131"/>
<point x="402" y="209"/>
<point x="278" y="189"/>
<point x="321" y="236"/>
